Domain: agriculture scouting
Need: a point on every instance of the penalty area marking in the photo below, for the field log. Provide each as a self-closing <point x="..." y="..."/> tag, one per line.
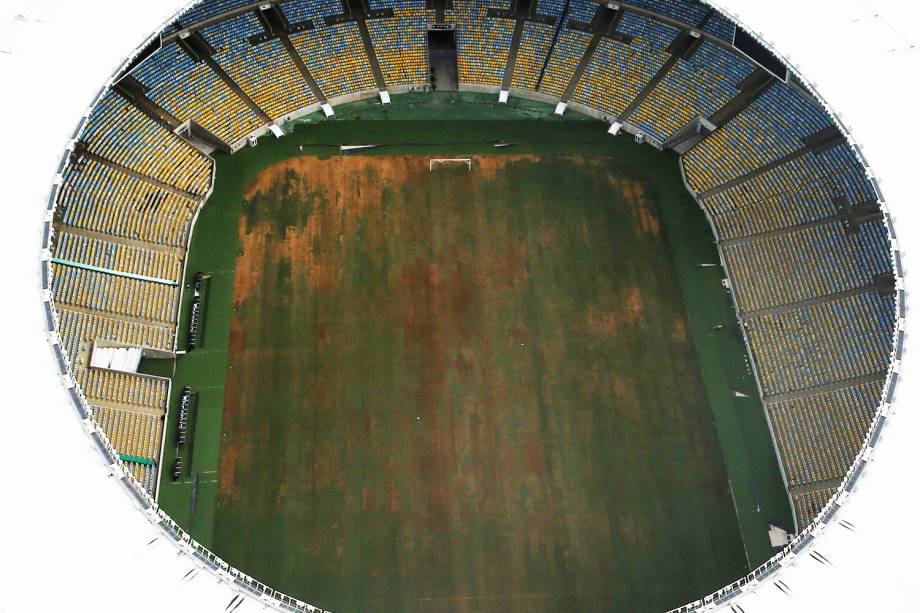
<point x="433" y="161"/>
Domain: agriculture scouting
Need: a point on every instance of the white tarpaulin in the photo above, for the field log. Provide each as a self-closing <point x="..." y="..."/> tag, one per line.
<point x="125" y="359"/>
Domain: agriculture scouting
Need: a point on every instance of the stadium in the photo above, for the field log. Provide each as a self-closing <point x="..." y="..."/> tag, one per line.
<point x="469" y="305"/>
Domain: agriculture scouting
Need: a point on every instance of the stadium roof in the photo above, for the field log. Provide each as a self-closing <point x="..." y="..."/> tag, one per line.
<point x="70" y="537"/>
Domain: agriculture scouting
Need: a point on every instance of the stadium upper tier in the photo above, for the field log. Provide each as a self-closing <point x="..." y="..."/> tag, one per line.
<point x="804" y="241"/>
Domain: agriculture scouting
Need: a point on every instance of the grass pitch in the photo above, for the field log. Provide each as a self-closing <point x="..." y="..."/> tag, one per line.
<point x="465" y="391"/>
<point x="605" y="464"/>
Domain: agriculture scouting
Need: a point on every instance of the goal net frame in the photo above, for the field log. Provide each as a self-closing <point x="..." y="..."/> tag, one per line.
<point x="433" y="161"/>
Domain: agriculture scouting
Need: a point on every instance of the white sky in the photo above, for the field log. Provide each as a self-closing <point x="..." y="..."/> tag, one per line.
<point x="70" y="539"/>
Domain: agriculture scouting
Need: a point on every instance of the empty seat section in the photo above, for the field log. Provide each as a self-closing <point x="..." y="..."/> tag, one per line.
<point x="135" y="434"/>
<point x="482" y="41"/>
<point x="209" y="8"/>
<point x="685" y="11"/>
<point x="809" y="504"/>
<point x="694" y="87"/>
<point x="146" y="475"/>
<point x="821" y="365"/>
<point x="335" y="57"/>
<point x="377" y="5"/>
<point x="822" y="343"/>
<point x="536" y="41"/>
<point x="78" y="330"/>
<point x="819" y="436"/>
<point x="191" y="90"/>
<point x="807" y="263"/>
<point x="98" y="198"/>
<point x="125" y="391"/>
<point x="721" y="26"/>
<point x="118" y="131"/>
<point x="401" y="45"/>
<point x="581" y="11"/>
<point x="600" y="86"/>
<point x="802" y="190"/>
<point x="298" y="11"/>
<point x="311" y="10"/>
<point x="771" y="127"/>
<point x="551" y="8"/>
<point x="570" y="47"/>
<point x="162" y="264"/>
<point x="852" y="182"/>
<point x="138" y="435"/>
<point x="264" y="70"/>
<point x="618" y="71"/>
<point x="121" y="296"/>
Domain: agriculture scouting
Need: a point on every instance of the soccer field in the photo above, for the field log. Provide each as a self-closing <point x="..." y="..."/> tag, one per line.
<point x="464" y="389"/>
<point x="493" y="389"/>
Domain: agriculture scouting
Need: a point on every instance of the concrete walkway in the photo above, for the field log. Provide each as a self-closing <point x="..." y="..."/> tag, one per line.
<point x="828" y="387"/>
<point x="807" y="148"/>
<point x="815" y="486"/>
<point x="178" y="252"/>
<point x="140" y="176"/>
<point x="741" y="240"/>
<point x="74" y="308"/>
<point x="807" y="302"/>
<point x="113" y="272"/>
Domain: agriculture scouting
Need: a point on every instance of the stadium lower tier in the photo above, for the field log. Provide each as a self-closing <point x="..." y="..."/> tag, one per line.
<point x="808" y="257"/>
<point x="114" y="291"/>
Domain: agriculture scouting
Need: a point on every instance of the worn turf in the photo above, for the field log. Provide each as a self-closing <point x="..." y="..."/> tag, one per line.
<point x="466" y="390"/>
<point x="747" y="465"/>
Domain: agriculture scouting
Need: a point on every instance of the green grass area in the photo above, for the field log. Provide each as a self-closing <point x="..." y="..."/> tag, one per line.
<point x="254" y="538"/>
<point x="750" y="459"/>
<point x="157" y="367"/>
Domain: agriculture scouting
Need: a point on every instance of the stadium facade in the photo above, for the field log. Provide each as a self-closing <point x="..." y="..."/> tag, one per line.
<point x="802" y="228"/>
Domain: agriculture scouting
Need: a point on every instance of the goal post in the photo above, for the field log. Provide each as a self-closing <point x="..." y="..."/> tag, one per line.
<point x="432" y="162"/>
